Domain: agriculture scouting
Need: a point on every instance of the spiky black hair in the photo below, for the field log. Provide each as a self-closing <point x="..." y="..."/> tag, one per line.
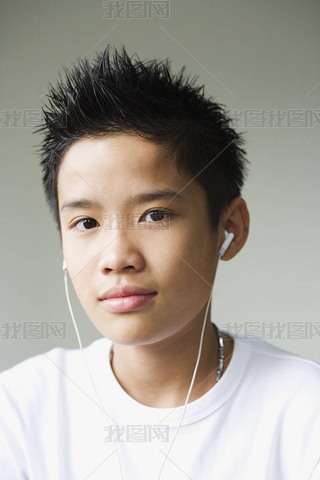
<point x="119" y="94"/>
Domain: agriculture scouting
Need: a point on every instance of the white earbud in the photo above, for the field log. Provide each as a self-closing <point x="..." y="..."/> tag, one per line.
<point x="226" y="243"/>
<point x="64" y="265"/>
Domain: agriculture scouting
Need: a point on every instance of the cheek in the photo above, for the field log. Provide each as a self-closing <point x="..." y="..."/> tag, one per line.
<point x="80" y="274"/>
<point x="76" y="260"/>
<point x="188" y="265"/>
<point x="87" y="296"/>
<point x="79" y="258"/>
<point x="80" y="285"/>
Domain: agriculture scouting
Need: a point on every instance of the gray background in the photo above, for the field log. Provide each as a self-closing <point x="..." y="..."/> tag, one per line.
<point x="258" y="57"/>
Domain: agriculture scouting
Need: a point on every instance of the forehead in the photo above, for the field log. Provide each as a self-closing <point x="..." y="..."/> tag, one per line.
<point x="118" y="167"/>
<point x="121" y="155"/>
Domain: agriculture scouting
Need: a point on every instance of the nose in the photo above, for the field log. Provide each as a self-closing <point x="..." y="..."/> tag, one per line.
<point x="120" y="249"/>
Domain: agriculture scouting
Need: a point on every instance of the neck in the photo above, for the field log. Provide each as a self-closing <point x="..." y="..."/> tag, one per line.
<point x="159" y="375"/>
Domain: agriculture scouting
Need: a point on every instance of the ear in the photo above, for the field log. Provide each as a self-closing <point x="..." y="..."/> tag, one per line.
<point x="236" y="220"/>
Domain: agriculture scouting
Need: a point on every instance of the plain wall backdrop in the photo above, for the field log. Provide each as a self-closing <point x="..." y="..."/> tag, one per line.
<point x="260" y="59"/>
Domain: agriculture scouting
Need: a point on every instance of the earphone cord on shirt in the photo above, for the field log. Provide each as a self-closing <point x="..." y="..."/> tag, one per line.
<point x="219" y="369"/>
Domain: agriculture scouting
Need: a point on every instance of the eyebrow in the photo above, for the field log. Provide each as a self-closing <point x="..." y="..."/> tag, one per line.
<point x="136" y="199"/>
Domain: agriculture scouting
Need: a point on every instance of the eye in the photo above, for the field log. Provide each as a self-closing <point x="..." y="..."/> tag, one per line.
<point x="87" y="223"/>
<point x="158" y="215"/>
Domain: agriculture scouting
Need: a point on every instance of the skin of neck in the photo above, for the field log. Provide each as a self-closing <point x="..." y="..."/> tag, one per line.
<point x="159" y="375"/>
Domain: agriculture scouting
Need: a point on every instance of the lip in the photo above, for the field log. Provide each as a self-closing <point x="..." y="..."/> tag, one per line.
<point x="119" y="291"/>
<point x="127" y="303"/>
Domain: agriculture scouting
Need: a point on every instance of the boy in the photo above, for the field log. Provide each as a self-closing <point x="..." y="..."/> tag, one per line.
<point x="143" y="175"/>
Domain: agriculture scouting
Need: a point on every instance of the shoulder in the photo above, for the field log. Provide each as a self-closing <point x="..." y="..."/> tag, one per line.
<point x="266" y="353"/>
<point x="281" y="376"/>
<point x="279" y="362"/>
<point x="266" y="369"/>
<point x="40" y="375"/>
<point x="281" y="390"/>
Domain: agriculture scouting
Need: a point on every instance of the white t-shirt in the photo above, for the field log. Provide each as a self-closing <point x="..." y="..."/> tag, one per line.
<point x="261" y="421"/>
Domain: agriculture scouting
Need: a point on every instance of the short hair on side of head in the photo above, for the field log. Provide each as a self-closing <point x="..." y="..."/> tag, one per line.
<point x="119" y="94"/>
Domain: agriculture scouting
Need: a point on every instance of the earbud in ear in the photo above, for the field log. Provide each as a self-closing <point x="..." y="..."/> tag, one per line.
<point x="64" y="265"/>
<point x="226" y="243"/>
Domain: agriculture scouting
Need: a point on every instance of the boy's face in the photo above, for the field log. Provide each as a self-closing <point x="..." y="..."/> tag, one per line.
<point x="122" y="244"/>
